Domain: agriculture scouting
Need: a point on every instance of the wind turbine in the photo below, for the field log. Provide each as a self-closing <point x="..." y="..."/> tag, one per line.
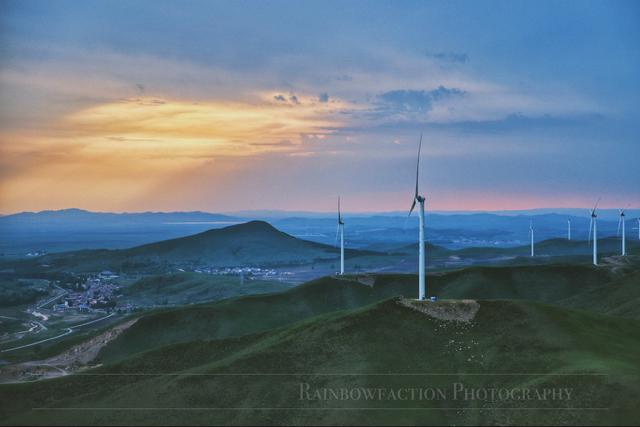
<point x="531" y="235"/>
<point x="568" y="228"/>
<point x="421" y="255"/>
<point x="621" y="222"/>
<point x="340" y="231"/>
<point x="593" y="225"/>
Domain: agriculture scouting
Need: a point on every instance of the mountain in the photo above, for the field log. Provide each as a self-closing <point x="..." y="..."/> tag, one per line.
<point x="294" y="375"/>
<point x="76" y="229"/>
<point x="251" y="244"/>
<point x="78" y="218"/>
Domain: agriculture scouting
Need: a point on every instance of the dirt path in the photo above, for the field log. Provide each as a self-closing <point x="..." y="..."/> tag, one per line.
<point x="449" y="310"/>
<point x="71" y="360"/>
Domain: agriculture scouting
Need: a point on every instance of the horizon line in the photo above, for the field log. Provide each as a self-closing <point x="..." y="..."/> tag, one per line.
<point x="322" y="212"/>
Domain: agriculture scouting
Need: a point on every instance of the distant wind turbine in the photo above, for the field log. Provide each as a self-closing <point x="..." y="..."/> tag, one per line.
<point x="340" y="231"/>
<point x="421" y="255"/>
<point x="568" y="228"/>
<point x="621" y="223"/>
<point x="593" y="226"/>
<point x="531" y="236"/>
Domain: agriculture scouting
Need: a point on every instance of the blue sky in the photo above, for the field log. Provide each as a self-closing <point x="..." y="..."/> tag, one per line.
<point x="136" y="105"/>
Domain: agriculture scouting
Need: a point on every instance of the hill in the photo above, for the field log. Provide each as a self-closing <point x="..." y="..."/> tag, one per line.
<point x="295" y="375"/>
<point x="195" y="288"/>
<point x="258" y="313"/>
<point x="621" y="298"/>
<point x="254" y="243"/>
<point x="76" y="229"/>
<point x="546" y="248"/>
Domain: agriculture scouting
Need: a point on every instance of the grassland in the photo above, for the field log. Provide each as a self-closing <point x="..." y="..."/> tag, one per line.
<point x="195" y="288"/>
<point x="258" y="378"/>
<point x="247" y="360"/>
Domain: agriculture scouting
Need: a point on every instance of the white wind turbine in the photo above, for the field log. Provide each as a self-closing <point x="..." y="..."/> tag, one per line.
<point x="340" y="231"/>
<point x="568" y="228"/>
<point x="621" y="223"/>
<point x="593" y="226"/>
<point x="531" y="236"/>
<point x="421" y="255"/>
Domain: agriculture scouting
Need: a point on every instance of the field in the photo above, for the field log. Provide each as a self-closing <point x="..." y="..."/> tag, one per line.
<point x="273" y="377"/>
<point x="266" y="351"/>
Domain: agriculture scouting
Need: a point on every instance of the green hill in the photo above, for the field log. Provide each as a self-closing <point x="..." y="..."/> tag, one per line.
<point x="272" y="378"/>
<point x="560" y="249"/>
<point x="190" y="288"/>
<point x="251" y="314"/>
<point x="621" y="298"/>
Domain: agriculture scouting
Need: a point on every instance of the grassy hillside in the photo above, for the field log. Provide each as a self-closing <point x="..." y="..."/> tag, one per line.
<point x="253" y="314"/>
<point x="257" y="379"/>
<point x="547" y="283"/>
<point x="556" y="250"/>
<point x="621" y="298"/>
<point x="195" y="288"/>
<point x="16" y="292"/>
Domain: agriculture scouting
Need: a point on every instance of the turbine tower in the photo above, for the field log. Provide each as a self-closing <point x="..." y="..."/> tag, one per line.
<point x="568" y="228"/>
<point x="593" y="226"/>
<point x="531" y="236"/>
<point x="421" y="255"/>
<point x="340" y="231"/>
<point x="621" y="222"/>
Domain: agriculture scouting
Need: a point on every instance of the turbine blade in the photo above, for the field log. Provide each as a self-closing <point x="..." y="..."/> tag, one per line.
<point x="418" y="166"/>
<point x="413" y="205"/>
<point x="625" y="208"/>
<point x="590" y="228"/>
<point x="339" y="217"/>
<point x="335" y="243"/>
<point x="597" y="203"/>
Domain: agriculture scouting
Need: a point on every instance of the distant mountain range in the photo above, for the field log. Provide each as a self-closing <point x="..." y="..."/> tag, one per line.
<point x="75" y="229"/>
<point x="78" y="218"/>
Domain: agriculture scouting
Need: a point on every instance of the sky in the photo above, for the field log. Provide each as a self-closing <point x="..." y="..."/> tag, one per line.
<point x="241" y="105"/>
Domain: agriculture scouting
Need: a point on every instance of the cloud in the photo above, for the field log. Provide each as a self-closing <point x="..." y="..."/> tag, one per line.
<point x="282" y="144"/>
<point x="451" y="57"/>
<point x="324" y="97"/>
<point x="280" y="98"/>
<point x="415" y="100"/>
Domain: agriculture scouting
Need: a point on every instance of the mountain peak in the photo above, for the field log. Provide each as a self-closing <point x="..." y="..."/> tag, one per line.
<point x="253" y="226"/>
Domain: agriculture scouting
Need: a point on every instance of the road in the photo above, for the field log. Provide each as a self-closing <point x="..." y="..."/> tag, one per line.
<point x="64" y="292"/>
<point x="67" y="332"/>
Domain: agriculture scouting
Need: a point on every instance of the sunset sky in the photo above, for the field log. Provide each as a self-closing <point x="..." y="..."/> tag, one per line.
<point x="223" y="106"/>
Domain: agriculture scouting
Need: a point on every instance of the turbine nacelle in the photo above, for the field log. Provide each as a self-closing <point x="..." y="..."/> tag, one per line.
<point x="621" y="219"/>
